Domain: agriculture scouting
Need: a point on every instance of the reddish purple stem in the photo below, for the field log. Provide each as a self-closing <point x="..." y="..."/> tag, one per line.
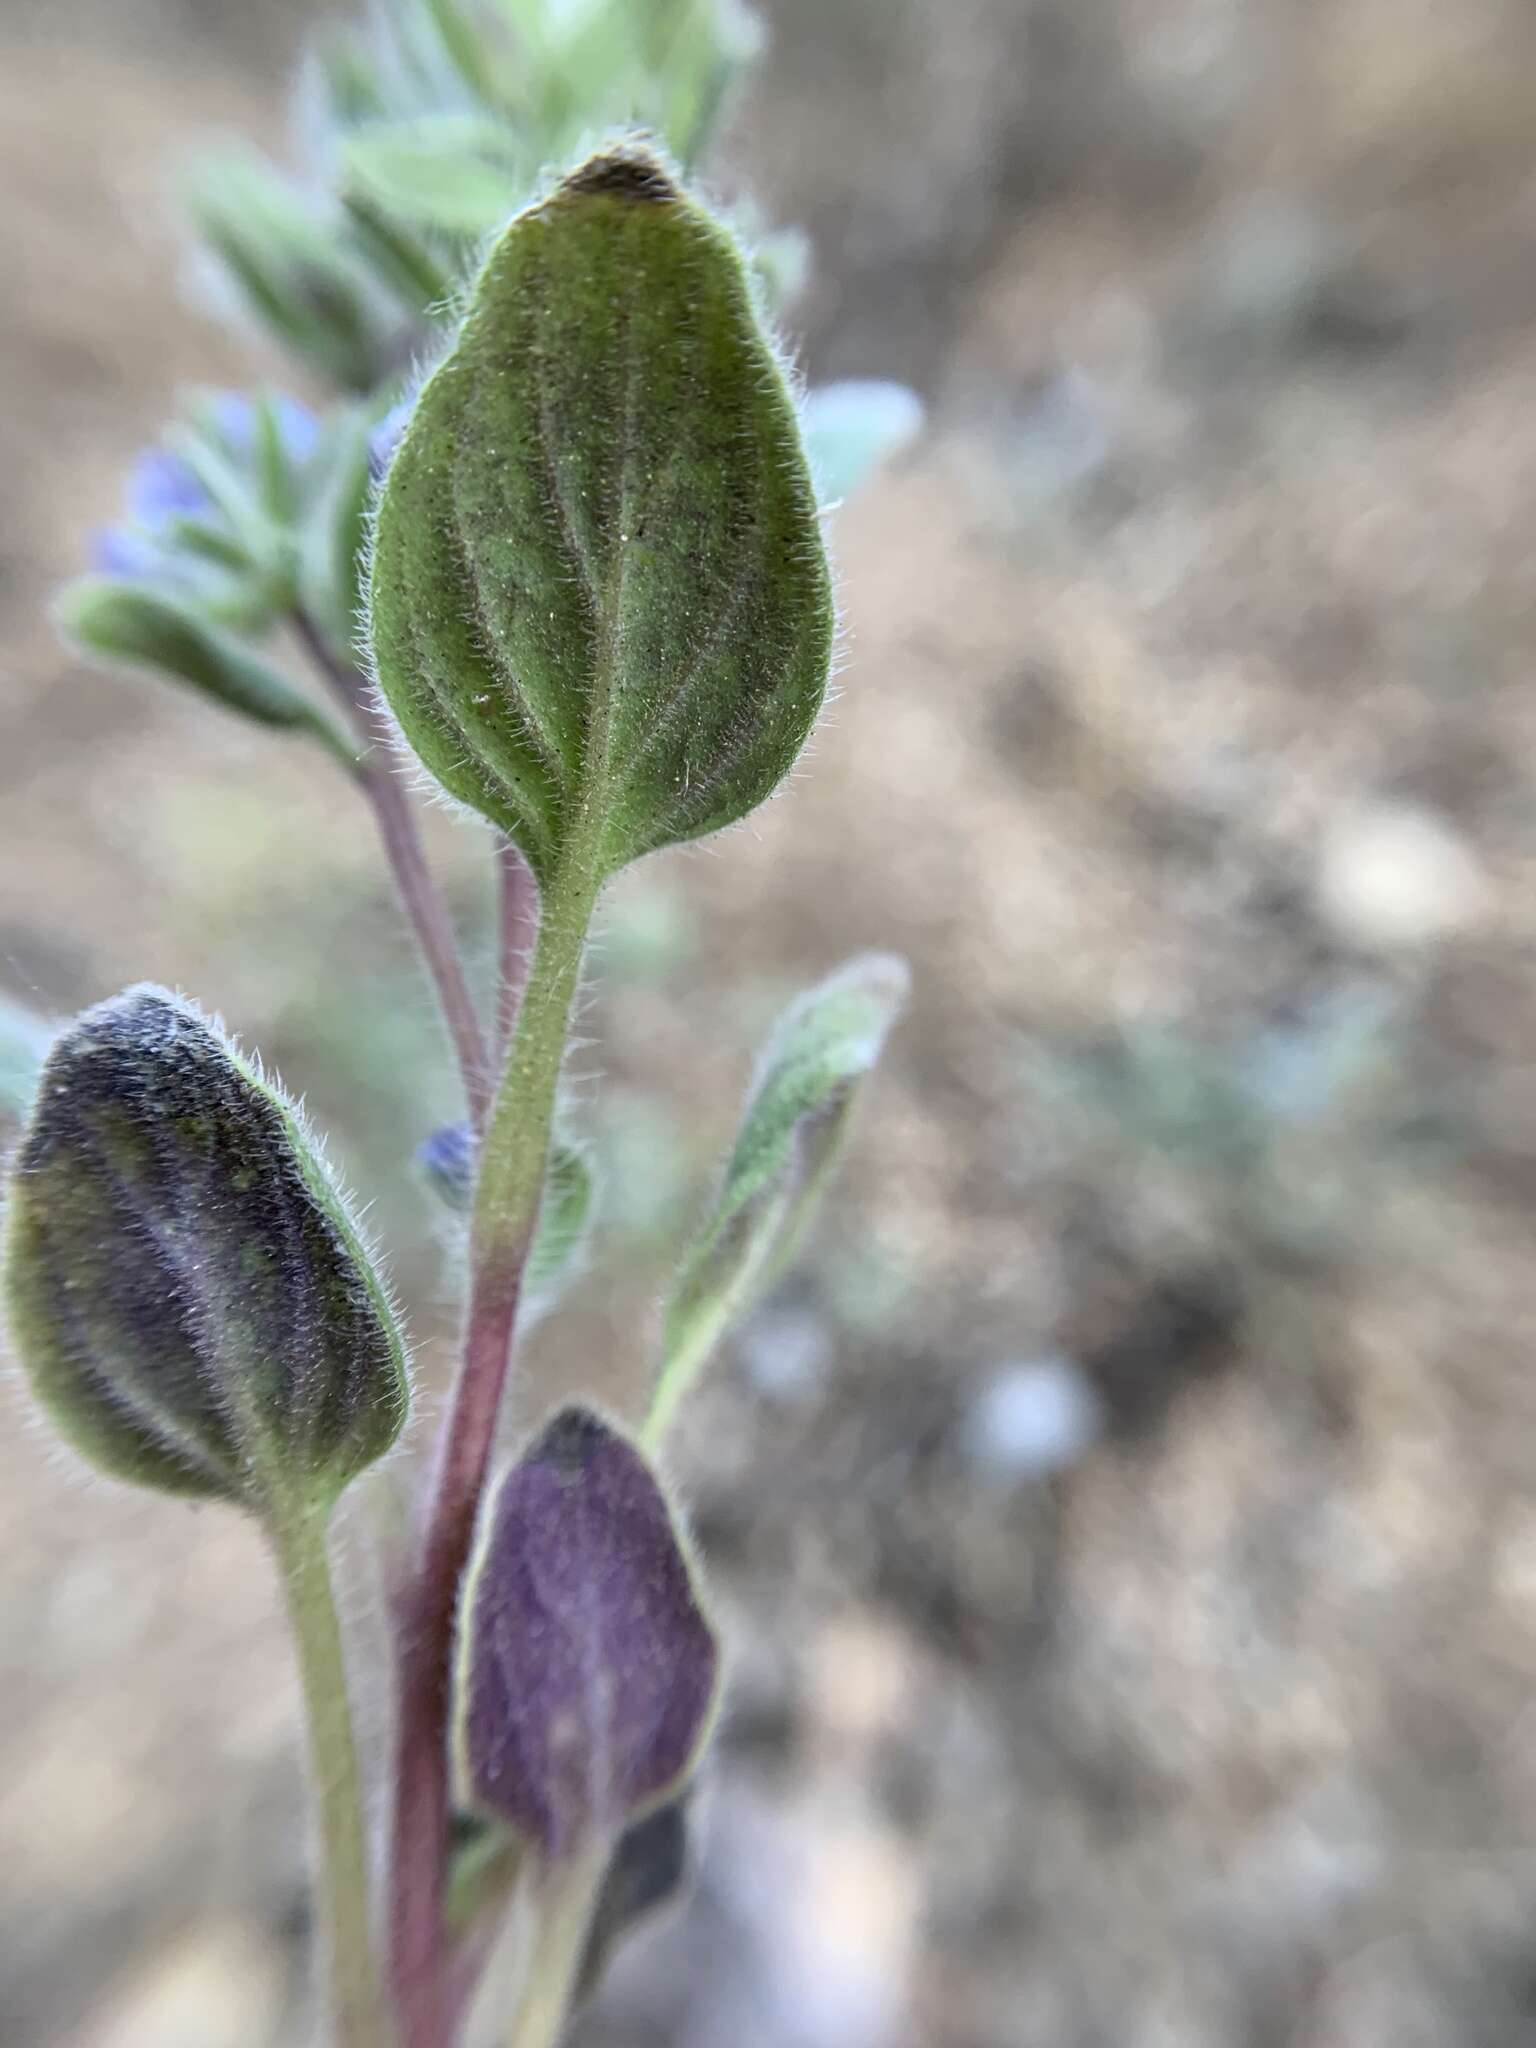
<point x="426" y="1618"/>
<point x="420" y="897"/>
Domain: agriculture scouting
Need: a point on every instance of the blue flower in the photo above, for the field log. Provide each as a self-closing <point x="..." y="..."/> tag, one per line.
<point x="234" y="415"/>
<point x="447" y="1159"/>
<point x="163" y="488"/>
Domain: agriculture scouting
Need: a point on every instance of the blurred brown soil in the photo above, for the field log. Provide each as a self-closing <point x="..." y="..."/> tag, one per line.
<point x="1187" y="675"/>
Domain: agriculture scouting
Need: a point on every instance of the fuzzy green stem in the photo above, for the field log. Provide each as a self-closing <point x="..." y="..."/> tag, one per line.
<point x="691" y="1347"/>
<point x="358" y="2016"/>
<point x="513" y="1158"/>
<point x="683" y="1364"/>
<point x="519" y="922"/>
<point x="566" y="1897"/>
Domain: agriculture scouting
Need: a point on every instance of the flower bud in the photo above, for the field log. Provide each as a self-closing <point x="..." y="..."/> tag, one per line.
<point x="447" y="1160"/>
<point x="187" y="1292"/>
<point x="199" y="513"/>
<point x="588" y="1670"/>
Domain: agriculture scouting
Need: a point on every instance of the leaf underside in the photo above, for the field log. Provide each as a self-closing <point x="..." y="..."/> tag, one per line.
<point x="599" y="593"/>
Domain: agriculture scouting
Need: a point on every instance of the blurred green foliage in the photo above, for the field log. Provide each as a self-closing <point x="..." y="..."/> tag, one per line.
<point x="1270" y="1144"/>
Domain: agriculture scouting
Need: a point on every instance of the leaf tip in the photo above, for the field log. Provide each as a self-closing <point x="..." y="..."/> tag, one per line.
<point x="630" y="171"/>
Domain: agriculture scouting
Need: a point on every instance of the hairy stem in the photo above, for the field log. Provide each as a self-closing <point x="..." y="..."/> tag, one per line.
<point x="514" y="1154"/>
<point x="681" y="1367"/>
<point x="358" y="2016"/>
<point x="519" y="918"/>
<point x="566" y="1897"/>
<point x="420" y="897"/>
<point x="693" y="1341"/>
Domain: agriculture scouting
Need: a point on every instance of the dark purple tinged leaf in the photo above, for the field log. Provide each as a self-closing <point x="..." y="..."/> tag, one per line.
<point x="588" y="1669"/>
<point x="184" y="1288"/>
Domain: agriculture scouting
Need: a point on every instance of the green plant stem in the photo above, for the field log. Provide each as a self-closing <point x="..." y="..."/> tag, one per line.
<point x="358" y="2015"/>
<point x="378" y="774"/>
<point x="566" y="1896"/>
<point x="688" y="1357"/>
<point x="513" y="1158"/>
<point x="690" y="1349"/>
<point x="519" y="920"/>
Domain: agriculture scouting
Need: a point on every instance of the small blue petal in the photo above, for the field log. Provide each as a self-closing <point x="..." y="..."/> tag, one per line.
<point x="120" y="551"/>
<point x="298" y="427"/>
<point x="447" y="1158"/>
<point x="161" y="487"/>
<point x="234" y="415"/>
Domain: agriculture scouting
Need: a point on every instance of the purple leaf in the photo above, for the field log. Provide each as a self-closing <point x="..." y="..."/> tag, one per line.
<point x="588" y="1670"/>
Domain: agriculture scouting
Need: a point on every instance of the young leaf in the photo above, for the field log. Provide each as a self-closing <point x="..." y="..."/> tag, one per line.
<point x="601" y="610"/>
<point x="588" y="1671"/>
<point x="290" y="274"/>
<point x="397" y="257"/>
<point x="464" y="43"/>
<point x="562" y="1228"/>
<point x="791" y="1130"/>
<point x="343" y="71"/>
<point x="187" y="1292"/>
<point x="140" y="627"/>
<point x="456" y="173"/>
<point x="852" y="427"/>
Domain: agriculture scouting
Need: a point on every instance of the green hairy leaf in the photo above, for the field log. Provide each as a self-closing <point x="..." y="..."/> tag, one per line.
<point x="140" y="627"/>
<point x="601" y="610"/>
<point x="186" y="1290"/>
<point x="795" y="1119"/>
